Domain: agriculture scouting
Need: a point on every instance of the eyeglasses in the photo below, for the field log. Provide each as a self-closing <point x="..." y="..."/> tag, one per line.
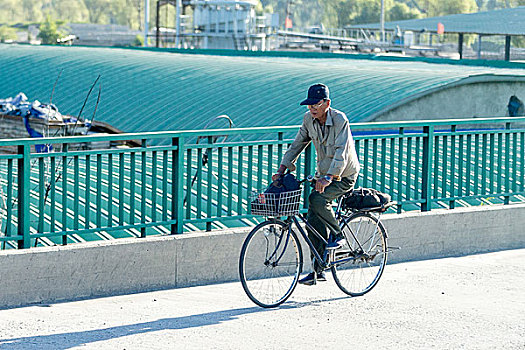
<point x="317" y="105"/>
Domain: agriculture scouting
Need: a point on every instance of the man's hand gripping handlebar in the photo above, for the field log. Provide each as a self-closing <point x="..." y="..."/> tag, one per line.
<point x="320" y="184"/>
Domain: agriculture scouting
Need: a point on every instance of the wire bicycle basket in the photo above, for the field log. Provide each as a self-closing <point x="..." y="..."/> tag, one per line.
<point x="275" y="204"/>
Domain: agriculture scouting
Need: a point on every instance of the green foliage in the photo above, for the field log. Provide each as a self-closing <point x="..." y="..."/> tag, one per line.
<point x="448" y="7"/>
<point x="348" y="12"/>
<point x="368" y="11"/>
<point x="70" y="11"/>
<point x="495" y="4"/>
<point x="7" y="34"/>
<point x="401" y="11"/>
<point x="259" y="8"/>
<point x="124" y="12"/>
<point x="517" y="41"/>
<point x="434" y="8"/>
<point x="305" y="13"/>
<point x="49" y="33"/>
<point x="139" y="41"/>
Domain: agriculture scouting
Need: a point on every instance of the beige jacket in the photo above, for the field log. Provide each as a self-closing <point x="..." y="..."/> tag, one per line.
<point x="335" y="147"/>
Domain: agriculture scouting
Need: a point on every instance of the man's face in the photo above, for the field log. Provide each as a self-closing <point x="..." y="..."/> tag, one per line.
<point x="318" y="111"/>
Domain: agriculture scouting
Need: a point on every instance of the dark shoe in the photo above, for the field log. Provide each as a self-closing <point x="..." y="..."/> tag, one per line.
<point x="321" y="276"/>
<point x="312" y="278"/>
<point x="337" y="243"/>
<point x="309" y="280"/>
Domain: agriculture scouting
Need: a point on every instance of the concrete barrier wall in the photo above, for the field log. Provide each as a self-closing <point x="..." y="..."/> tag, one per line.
<point x="486" y="99"/>
<point x="44" y="275"/>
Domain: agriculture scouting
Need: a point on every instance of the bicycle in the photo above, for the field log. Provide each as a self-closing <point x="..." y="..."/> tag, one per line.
<point x="271" y="259"/>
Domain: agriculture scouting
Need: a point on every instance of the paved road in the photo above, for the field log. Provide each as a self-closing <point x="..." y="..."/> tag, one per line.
<point x="473" y="302"/>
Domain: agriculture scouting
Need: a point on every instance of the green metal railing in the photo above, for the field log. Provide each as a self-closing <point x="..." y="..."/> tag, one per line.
<point x="200" y="180"/>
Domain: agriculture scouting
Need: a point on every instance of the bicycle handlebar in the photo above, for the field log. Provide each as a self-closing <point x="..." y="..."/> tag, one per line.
<point x="309" y="178"/>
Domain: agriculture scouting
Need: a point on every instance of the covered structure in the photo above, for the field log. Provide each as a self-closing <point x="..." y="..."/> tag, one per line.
<point x="121" y="192"/>
<point x="213" y="24"/>
<point x="506" y="22"/>
<point x="152" y="90"/>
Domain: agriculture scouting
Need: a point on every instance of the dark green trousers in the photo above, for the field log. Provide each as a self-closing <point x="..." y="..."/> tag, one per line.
<point x="320" y="214"/>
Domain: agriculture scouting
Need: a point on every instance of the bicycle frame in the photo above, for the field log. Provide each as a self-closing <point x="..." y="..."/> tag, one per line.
<point x="307" y="239"/>
<point x="322" y="260"/>
<point x="357" y="277"/>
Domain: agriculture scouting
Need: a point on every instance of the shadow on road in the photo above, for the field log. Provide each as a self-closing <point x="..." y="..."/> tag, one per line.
<point x="64" y="341"/>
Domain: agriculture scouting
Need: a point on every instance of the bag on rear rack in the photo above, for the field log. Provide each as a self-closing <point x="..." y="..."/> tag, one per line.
<point x="363" y="198"/>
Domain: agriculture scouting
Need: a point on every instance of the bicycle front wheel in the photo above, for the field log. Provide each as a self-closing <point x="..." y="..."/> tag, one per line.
<point x="270" y="263"/>
<point x="360" y="263"/>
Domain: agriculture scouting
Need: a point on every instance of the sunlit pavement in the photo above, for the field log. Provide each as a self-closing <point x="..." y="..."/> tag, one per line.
<point x="472" y="302"/>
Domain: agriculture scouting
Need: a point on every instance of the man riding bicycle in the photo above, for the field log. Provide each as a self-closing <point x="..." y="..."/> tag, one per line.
<point x="337" y="169"/>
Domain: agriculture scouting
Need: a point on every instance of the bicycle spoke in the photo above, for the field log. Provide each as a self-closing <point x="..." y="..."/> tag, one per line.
<point x="366" y="244"/>
<point x="277" y="253"/>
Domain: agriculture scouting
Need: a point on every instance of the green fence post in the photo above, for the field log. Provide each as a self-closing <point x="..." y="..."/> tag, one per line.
<point x="143" y="180"/>
<point x="507" y="164"/>
<point x="177" y="185"/>
<point x="65" y="165"/>
<point x="209" y="180"/>
<point x="279" y="148"/>
<point x="309" y="161"/>
<point x="24" y="184"/>
<point x="452" y="202"/>
<point x="426" y="189"/>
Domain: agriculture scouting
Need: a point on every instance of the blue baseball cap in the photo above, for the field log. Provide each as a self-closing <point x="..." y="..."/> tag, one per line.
<point x="316" y="93"/>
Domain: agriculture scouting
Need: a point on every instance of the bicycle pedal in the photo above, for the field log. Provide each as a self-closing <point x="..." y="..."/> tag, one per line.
<point x="335" y="247"/>
<point x="391" y="249"/>
<point x="343" y="253"/>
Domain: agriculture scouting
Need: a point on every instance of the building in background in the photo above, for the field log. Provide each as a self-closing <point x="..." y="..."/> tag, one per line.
<point x="213" y="24"/>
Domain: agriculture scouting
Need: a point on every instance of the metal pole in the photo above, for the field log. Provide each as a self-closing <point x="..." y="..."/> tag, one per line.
<point x="24" y="187"/>
<point x="146" y="22"/>
<point x="177" y="37"/>
<point x="426" y="183"/>
<point x="507" y="48"/>
<point x="460" y="46"/>
<point x="177" y="185"/>
<point x="383" y="20"/>
<point x="479" y="46"/>
<point x="309" y="161"/>
<point x="288" y="3"/>
<point x="157" y="21"/>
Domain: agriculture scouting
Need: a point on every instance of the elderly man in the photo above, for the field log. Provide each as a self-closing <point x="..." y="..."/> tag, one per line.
<point x="337" y="169"/>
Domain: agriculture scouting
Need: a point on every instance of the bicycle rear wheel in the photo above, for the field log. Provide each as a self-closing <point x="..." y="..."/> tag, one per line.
<point x="270" y="263"/>
<point x="360" y="262"/>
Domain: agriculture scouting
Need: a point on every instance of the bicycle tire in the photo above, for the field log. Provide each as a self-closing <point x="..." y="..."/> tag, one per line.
<point x="270" y="263"/>
<point x="363" y="257"/>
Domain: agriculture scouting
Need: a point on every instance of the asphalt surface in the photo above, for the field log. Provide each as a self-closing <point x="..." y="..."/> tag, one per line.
<point x="472" y="302"/>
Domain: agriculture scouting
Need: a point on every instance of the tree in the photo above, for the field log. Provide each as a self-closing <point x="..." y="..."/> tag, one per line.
<point x="401" y="11"/>
<point x="98" y="10"/>
<point x="305" y="13"/>
<point x="10" y="10"/>
<point x="137" y="7"/>
<point x="349" y="12"/>
<point x="32" y="10"/>
<point x="70" y="11"/>
<point x="434" y="8"/>
<point x="139" y="41"/>
<point x="7" y="34"/>
<point x="49" y="33"/>
<point x="449" y="7"/>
